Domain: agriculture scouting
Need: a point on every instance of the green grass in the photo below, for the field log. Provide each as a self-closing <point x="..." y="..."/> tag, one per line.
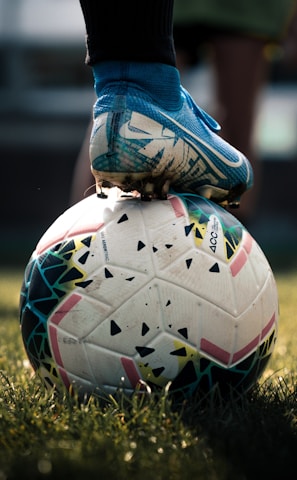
<point x="42" y="437"/>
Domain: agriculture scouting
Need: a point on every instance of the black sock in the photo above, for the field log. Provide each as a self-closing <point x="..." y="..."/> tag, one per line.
<point x="132" y="30"/>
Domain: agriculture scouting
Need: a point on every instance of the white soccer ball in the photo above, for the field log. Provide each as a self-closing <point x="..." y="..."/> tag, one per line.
<point x="176" y="292"/>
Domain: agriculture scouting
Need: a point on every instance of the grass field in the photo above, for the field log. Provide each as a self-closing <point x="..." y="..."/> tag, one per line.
<point x="147" y="438"/>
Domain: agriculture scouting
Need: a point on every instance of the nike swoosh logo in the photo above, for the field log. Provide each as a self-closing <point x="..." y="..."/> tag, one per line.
<point x="225" y="160"/>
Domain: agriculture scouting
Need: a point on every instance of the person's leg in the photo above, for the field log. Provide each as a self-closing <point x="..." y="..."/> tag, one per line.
<point x="129" y="31"/>
<point x="240" y="69"/>
<point x="146" y="35"/>
<point x="148" y="133"/>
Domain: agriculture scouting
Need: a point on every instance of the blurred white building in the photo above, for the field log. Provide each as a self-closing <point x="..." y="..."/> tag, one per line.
<point x="42" y="51"/>
<point x="50" y="20"/>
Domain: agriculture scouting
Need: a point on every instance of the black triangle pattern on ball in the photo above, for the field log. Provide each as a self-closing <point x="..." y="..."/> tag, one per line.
<point x="123" y="218"/>
<point x="188" y="262"/>
<point x="188" y="229"/>
<point x="84" y="258"/>
<point x="198" y="234"/>
<point x="108" y="273"/>
<point x="144" y="351"/>
<point x="84" y="284"/>
<point x="114" y="328"/>
<point x="70" y="275"/>
<point x="158" y="371"/>
<point x="183" y="332"/>
<point x="145" y="329"/>
<point x="181" y="352"/>
<point x="67" y="246"/>
<point x="140" y="245"/>
<point x="87" y="241"/>
<point x="215" y="268"/>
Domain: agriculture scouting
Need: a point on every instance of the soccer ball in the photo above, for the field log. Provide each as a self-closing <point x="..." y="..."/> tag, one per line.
<point x="121" y="293"/>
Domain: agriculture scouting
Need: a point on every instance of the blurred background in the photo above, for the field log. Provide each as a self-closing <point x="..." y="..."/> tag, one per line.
<point x="46" y="97"/>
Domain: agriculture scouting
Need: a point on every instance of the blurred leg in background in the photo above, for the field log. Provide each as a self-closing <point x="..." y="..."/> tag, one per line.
<point x="231" y="36"/>
<point x="237" y="92"/>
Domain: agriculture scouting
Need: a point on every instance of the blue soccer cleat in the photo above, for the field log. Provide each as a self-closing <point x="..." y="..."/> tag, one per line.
<point x="142" y="141"/>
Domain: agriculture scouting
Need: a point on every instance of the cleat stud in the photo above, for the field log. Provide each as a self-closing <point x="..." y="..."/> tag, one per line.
<point x="145" y="197"/>
<point x="102" y="195"/>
